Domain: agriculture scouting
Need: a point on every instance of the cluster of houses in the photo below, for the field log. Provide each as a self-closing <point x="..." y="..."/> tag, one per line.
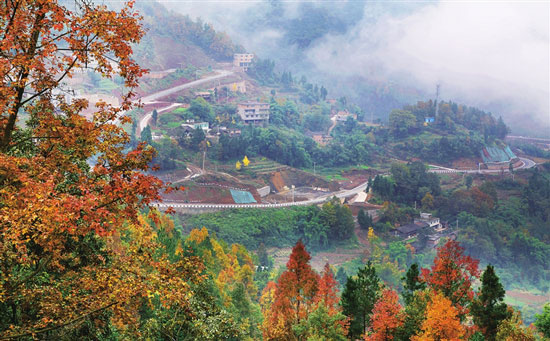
<point x="425" y="221"/>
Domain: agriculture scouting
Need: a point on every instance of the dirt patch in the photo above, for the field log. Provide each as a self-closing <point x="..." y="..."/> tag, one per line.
<point x="319" y="259"/>
<point x="288" y="177"/>
<point x="356" y="177"/>
<point x="527" y="297"/>
<point x="210" y="189"/>
<point x="466" y="163"/>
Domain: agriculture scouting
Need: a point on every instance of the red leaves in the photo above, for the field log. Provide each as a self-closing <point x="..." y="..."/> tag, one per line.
<point x="387" y="316"/>
<point x="452" y="274"/>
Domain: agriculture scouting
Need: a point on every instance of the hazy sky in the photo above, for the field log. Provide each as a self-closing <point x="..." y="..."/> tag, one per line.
<point x="492" y="54"/>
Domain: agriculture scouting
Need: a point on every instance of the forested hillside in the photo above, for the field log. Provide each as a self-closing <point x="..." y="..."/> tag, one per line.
<point x="86" y="253"/>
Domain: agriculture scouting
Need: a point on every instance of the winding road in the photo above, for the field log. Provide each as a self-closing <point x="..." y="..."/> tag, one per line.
<point x="318" y="200"/>
<point x="152" y="98"/>
<point x="527" y="163"/>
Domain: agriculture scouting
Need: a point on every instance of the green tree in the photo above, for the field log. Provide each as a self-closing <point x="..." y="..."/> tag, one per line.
<point x="146" y="135"/>
<point x="469" y="180"/>
<point x="197" y="137"/>
<point x="155" y="116"/>
<point x="543" y="321"/>
<point x="488" y="309"/>
<point x="263" y="258"/>
<point x="341" y="276"/>
<point x="321" y="325"/>
<point x="364" y="219"/>
<point x="201" y="109"/>
<point x="401" y="122"/>
<point x="413" y="283"/>
<point x="358" y="298"/>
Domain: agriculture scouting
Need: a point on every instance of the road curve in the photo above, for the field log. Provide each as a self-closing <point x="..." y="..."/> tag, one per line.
<point x="526" y="164"/>
<point x="319" y="200"/>
<point x="157" y="95"/>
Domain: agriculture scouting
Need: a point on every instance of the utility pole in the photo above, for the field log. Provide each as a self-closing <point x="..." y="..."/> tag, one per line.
<point x="293" y="187"/>
<point x="314" y="168"/>
<point x="436" y="99"/>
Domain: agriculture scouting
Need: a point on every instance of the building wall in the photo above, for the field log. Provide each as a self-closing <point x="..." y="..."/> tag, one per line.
<point x="253" y="112"/>
<point x="243" y="60"/>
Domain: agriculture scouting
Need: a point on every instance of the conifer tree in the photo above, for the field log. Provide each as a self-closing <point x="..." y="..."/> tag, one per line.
<point x="413" y="283"/>
<point x="358" y="299"/>
<point x="488" y="309"/>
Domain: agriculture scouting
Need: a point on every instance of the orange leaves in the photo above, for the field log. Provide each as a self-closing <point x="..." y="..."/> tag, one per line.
<point x="442" y="321"/>
<point x="298" y="293"/>
<point x="452" y="274"/>
<point x="387" y="317"/>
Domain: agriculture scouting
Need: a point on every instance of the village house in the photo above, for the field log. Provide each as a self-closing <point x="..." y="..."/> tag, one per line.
<point x="196" y="125"/>
<point x="243" y="60"/>
<point x="253" y="112"/>
<point x="343" y="116"/>
<point x="321" y="138"/>
<point x="425" y="221"/>
<point x="428" y="219"/>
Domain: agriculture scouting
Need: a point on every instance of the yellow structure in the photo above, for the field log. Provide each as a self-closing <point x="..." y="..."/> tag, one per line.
<point x="246" y="162"/>
<point x="238" y="165"/>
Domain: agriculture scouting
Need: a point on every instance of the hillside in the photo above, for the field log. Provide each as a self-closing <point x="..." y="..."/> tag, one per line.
<point x="177" y="41"/>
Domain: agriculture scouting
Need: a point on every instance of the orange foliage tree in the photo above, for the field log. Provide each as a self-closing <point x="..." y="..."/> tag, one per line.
<point x="328" y="291"/>
<point x="295" y="295"/>
<point x="73" y="248"/>
<point x="452" y="274"/>
<point x="442" y="321"/>
<point x="387" y="317"/>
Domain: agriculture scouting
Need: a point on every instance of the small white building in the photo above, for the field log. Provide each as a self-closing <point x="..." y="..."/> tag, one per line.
<point x="428" y="219"/>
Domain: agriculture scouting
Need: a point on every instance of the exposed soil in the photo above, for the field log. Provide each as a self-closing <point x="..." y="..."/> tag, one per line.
<point x="210" y="189"/>
<point x="465" y="163"/>
<point x="356" y="177"/>
<point x="290" y="176"/>
<point x="527" y="297"/>
<point x="336" y="257"/>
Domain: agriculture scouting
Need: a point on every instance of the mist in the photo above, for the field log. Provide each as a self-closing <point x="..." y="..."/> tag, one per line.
<point x="493" y="55"/>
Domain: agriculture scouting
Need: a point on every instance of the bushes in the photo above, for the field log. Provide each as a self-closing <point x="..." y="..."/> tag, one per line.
<point x="317" y="227"/>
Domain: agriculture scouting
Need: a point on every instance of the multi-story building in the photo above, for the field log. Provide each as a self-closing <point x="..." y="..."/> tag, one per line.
<point x="253" y="112"/>
<point x="243" y="60"/>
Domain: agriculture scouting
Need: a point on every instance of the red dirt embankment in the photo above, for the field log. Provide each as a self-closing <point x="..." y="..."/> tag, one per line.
<point x="210" y="189"/>
<point x="527" y="297"/>
<point x="288" y="177"/>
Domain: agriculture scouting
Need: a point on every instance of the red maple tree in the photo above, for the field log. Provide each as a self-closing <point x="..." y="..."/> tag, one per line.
<point x="387" y="316"/>
<point x="452" y="275"/>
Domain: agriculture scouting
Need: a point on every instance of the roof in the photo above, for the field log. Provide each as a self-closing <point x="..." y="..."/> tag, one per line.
<point x="413" y="227"/>
<point x="242" y="197"/>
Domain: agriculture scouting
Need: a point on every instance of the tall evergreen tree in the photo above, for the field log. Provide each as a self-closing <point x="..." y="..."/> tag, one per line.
<point x="488" y="308"/>
<point x="146" y="135"/>
<point x="358" y="299"/>
<point x="412" y="283"/>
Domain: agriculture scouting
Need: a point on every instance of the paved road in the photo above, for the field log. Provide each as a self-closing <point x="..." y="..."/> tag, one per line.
<point x="526" y="163"/>
<point x="164" y="93"/>
<point x="318" y="200"/>
<point x="145" y="119"/>
<point x="157" y="95"/>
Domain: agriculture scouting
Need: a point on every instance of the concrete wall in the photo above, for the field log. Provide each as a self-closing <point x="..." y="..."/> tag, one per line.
<point x="264" y="191"/>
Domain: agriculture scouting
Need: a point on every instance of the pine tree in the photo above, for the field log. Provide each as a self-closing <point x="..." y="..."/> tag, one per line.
<point x="146" y="135"/>
<point x="358" y="299"/>
<point x="488" y="308"/>
<point x="412" y="284"/>
<point x="155" y="116"/>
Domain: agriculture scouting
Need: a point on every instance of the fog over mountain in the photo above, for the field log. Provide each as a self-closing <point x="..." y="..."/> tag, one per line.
<point x="494" y="55"/>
